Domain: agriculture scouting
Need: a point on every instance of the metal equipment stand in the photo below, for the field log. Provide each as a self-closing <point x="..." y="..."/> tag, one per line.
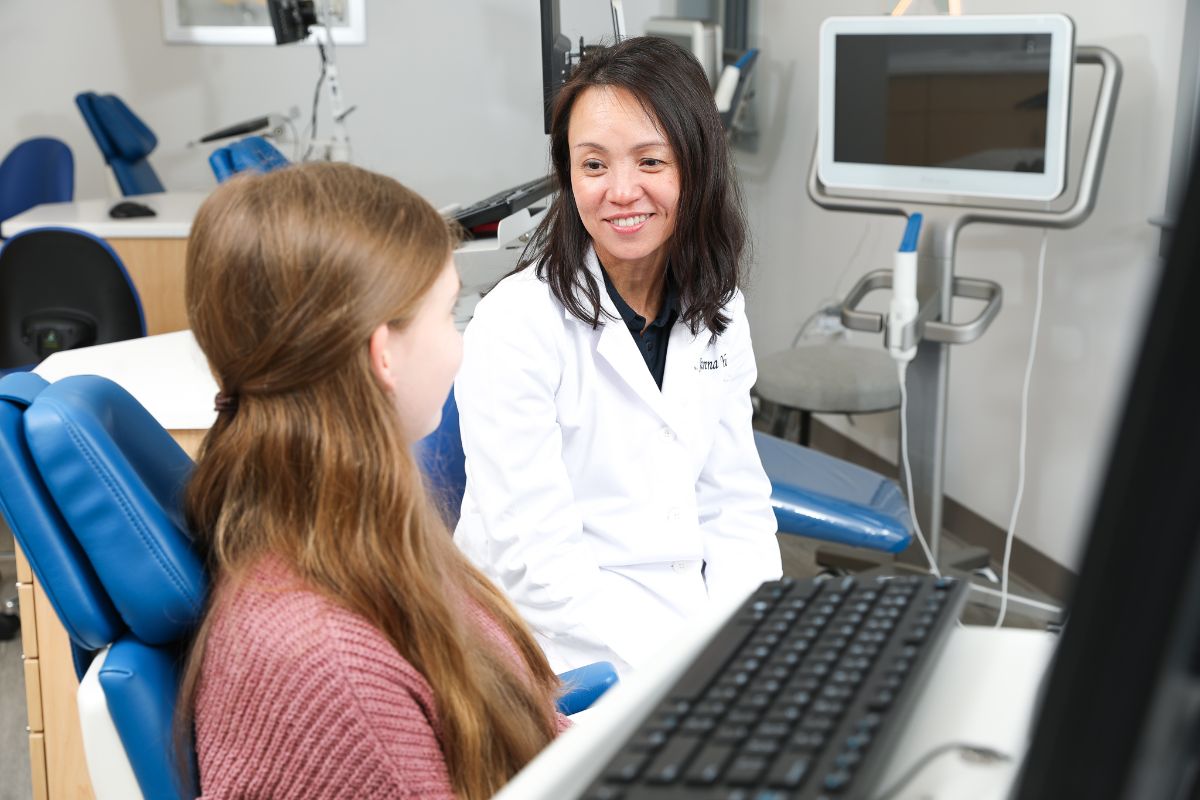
<point x="937" y="287"/>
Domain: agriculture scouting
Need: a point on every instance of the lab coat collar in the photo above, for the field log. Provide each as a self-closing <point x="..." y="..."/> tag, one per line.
<point x="617" y="347"/>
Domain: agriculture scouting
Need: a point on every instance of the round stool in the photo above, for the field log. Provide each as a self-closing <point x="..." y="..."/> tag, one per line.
<point x="826" y="378"/>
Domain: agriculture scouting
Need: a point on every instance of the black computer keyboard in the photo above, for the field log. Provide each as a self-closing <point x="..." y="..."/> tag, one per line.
<point x="503" y="203"/>
<point x="800" y="695"/>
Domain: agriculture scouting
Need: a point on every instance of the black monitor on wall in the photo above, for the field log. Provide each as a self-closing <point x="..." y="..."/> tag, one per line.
<point x="1120" y="711"/>
<point x="556" y="51"/>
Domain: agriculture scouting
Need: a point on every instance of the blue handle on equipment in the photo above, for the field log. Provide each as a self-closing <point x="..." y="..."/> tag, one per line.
<point x="911" y="233"/>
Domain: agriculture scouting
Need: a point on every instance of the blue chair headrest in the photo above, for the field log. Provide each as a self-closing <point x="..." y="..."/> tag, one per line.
<point x="119" y="132"/>
<point x="56" y="557"/>
<point x="118" y="477"/>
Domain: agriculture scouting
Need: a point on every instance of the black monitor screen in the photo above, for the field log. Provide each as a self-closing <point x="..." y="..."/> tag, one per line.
<point x="974" y="101"/>
<point x="556" y="49"/>
<point x="1120" y="715"/>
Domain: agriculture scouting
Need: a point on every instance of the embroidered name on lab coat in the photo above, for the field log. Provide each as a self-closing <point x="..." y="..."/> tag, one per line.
<point x="716" y="363"/>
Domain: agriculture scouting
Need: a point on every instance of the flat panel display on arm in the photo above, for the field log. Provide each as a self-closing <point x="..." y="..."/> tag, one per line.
<point x="970" y="106"/>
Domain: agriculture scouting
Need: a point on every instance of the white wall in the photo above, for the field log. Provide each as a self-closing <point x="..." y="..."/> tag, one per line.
<point x="449" y="101"/>
<point x="1098" y="275"/>
<point x="448" y="93"/>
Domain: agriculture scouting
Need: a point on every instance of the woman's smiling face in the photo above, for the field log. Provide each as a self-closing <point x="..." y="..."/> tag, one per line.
<point x="624" y="177"/>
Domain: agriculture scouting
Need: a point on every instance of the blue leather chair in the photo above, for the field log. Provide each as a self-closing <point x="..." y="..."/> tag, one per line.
<point x="62" y="288"/>
<point x="36" y="171"/>
<point x="91" y="489"/>
<point x="812" y="494"/>
<point x="124" y="140"/>
<point x="252" y="153"/>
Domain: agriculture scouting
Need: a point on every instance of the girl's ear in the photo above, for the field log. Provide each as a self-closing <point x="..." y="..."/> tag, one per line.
<point x="381" y="358"/>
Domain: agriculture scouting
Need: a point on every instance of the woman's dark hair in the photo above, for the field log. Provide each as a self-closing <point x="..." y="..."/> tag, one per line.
<point x="706" y="248"/>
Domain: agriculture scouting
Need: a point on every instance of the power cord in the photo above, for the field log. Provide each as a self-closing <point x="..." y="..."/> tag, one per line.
<point x="978" y="753"/>
<point x="1023" y="437"/>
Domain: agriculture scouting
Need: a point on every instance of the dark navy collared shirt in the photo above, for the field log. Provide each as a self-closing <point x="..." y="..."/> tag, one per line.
<point x="652" y="343"/>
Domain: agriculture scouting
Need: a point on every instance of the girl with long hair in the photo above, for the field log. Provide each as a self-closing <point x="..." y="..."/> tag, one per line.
<point x="348" y="649"/>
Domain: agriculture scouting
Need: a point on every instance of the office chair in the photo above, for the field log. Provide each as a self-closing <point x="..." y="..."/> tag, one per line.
<point x="36" y="171"/>
<point x="62" y="288"/>
<point x="825" y="378"/>
<point x="124" y="140"/>
<point x="252" y="153"/>
<point x="92" y="489"/>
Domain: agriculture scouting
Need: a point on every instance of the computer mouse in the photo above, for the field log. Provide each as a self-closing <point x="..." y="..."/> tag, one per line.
<point x="128" y="208"/>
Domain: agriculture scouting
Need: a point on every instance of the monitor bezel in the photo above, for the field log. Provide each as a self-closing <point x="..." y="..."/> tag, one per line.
<point x="923" y="181"/>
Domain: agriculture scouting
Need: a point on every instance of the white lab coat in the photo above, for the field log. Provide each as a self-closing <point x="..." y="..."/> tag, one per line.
<point x="593" y="499"/>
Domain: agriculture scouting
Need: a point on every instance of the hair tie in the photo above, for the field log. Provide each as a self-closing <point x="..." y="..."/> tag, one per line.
<point x="225" y="402"/>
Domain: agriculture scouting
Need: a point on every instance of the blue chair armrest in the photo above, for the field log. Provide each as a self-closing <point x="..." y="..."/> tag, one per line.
<point x="817" y="495"/>
<point x="584" y="686"/>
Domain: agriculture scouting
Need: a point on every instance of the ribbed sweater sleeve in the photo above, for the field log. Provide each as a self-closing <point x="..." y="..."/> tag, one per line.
<point x="299" y="698"/>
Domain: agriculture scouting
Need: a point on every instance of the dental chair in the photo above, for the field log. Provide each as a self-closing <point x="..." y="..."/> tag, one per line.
<point x="92" y="488"/>
<point x="124" y="140"/>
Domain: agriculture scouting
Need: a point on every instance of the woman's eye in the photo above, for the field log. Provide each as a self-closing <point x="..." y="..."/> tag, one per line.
<point x="651" y="162"/>
<point x="592" y="164"/>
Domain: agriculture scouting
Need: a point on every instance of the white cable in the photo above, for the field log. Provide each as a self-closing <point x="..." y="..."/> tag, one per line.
<point x="901" y="372"/>
<point x="1012" y="520"/>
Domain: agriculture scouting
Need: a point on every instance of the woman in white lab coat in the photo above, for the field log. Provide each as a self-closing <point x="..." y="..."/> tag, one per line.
<point x="613" y="486"/>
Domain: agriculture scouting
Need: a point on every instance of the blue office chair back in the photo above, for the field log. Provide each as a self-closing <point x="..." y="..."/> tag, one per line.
<point x="62" y="288"/>
<point x="36" y="171"/>
<point x="124" y="141"/>
<point x="91" y="492"/>
<point x="254" y="153"/>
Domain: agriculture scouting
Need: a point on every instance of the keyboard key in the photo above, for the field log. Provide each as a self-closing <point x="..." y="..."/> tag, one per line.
<point x="648" y="741"/>
<point x="837" y="780"/>
<point x="745" y="770"/>
<point x="761" y="747"/>
<point x="626" y="767"/>
<point x="789" y="772"/>
<point x="707" y="767"/>
<point x="731" y="734"/>
<point x="809" y="741"/>
<point x="699" y="724"/>
<point x="668" y="766"/>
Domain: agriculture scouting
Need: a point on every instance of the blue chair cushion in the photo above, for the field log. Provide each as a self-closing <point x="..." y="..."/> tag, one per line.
<point x="817" y="495"/>
<point x="584" y="686"/>
<point x="140" y="684"/>
<point x="55" y="555"/>
<point x="118" y="477"/>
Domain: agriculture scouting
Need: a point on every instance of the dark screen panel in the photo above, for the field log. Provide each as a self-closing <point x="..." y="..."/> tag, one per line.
<point x="973" y="101"/>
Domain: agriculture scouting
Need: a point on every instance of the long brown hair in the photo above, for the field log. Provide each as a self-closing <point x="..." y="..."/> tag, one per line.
<point x="709" y="244"/>
<point x="287" y="276"/>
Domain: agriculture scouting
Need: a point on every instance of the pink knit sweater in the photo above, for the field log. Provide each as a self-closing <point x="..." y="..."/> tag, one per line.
<point x="299" y="698"/>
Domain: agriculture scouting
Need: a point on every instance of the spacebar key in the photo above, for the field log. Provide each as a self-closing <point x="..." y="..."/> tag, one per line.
<point x="712" y="660"/>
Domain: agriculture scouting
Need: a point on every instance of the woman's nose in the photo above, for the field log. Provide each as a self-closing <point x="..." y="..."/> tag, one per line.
<point x="626" y="186"/>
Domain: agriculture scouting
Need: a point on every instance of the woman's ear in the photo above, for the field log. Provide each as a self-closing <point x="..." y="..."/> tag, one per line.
<point x="382" y="361"/>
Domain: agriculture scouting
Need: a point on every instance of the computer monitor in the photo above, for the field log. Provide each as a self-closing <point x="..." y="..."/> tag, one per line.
<point x="976" y="106"/>
<point x="556" y="54"/>
<point x="1120" y="709"/>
